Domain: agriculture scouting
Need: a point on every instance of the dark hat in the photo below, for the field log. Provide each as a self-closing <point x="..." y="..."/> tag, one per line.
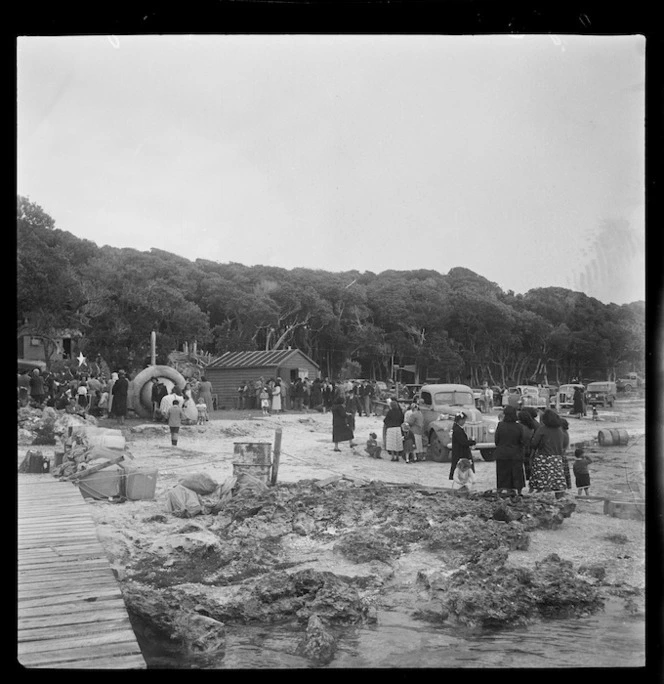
<point x="373" y="434"/>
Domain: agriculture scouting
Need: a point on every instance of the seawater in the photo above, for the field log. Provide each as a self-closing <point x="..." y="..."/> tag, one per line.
<point x="611" y="638"/>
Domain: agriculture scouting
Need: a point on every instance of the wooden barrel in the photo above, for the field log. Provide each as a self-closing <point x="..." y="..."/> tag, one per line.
<point x="613" y="437"/>
<point x="254" y="458"/>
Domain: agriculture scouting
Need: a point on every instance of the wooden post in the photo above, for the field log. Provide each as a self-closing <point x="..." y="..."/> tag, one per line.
<point x="153" y="348"/>
<point x="276" y="455"/>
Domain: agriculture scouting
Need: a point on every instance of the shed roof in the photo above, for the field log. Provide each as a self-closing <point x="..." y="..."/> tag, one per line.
<point x="256" y="359"/>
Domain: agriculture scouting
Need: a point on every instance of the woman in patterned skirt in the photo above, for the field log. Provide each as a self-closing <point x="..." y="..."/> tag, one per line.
<point x="392" y="430"/>
<point x="547" y="466"/>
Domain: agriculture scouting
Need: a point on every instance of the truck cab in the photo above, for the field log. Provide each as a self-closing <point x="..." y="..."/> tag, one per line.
<point x="630" y="382"/>
<point x="439" y="404"/>
<point x="601" y="393"/>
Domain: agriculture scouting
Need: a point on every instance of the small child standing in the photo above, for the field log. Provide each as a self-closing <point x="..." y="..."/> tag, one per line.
<point x="595" y="415"/>
<point x="265" y="401"/>
<point x="581" y="473"/>
<point x="408" y="443"/>
<point x="372" y="447"/>
<point x="174" y="421"/>
<point x="464" y="477"/>
<point x="203" y="416"/>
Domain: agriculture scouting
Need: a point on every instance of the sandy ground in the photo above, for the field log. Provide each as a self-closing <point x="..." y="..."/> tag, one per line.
<point x="307" y="453"/>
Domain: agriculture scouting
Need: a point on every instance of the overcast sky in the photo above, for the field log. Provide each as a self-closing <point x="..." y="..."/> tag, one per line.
<point x="518" y="157"/>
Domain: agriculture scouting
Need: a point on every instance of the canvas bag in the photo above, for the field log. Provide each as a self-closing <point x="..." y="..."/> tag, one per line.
<point x="183" y="502"/>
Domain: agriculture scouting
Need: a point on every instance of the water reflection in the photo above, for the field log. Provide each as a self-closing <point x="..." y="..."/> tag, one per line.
<point x="609" y="639"/>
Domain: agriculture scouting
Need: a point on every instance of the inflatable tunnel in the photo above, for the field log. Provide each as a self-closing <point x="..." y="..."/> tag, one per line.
<point x="140" y="388"/>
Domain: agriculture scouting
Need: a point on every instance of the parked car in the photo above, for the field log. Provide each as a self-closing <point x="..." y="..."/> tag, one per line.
<point x="528" y="395"/>
<point x="566" y="394"/>
<point x="630" y="382"/>
<point x="439" y="404"/>
<point x="601" y="393"/>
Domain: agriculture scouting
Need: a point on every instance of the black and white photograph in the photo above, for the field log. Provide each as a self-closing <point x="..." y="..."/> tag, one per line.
<point x="332" y="351"/>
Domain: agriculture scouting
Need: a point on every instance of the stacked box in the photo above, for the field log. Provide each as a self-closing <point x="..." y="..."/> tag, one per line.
<point x="138" y="482"/>
<point x="104" y="484"/>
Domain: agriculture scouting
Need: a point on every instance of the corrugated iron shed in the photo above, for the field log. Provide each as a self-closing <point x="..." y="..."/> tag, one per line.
<point x="256" y="359"/>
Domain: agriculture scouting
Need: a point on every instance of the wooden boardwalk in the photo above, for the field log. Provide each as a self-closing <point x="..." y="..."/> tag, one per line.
<point x="71" y="613"/>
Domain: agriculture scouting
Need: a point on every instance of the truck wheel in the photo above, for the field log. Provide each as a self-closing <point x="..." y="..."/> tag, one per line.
<point x="488" y="454"/>
<point x="627" y="388"/>
<point x="436" y="450"/>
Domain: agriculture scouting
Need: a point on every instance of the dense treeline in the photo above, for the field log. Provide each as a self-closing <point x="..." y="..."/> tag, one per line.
<point x="455" y="327"/>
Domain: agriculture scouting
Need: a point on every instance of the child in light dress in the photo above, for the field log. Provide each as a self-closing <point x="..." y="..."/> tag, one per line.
<point x="464" y="477"/>
<point x="203" y="416"/>
<point x="265" y="401"/>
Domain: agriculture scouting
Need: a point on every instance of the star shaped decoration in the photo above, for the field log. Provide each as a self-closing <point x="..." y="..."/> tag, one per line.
<point x="81" y="358"/>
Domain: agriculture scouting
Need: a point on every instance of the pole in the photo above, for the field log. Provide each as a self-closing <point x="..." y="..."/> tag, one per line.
<point x="276" y="456"/>
<point x="153" y="348"/>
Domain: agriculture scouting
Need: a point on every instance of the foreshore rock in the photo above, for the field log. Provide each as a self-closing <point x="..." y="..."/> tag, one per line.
<point x="191" y="581"/>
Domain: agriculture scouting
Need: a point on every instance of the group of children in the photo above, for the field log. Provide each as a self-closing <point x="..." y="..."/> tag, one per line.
<point x="409" y="451"/>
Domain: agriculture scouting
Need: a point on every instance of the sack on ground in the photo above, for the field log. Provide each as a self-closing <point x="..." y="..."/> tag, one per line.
<point x="183" y="502"/>
<point x="201" y="483"/>
<point x="249" y="484"/>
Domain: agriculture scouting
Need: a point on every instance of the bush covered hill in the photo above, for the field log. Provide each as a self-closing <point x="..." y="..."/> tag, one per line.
<point x="456" y="326"/>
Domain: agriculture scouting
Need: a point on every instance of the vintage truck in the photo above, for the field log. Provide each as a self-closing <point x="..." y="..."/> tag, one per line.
<point x="601" y="393"/>
<point x="631" y="381"/>
<point x="439" y="404"/>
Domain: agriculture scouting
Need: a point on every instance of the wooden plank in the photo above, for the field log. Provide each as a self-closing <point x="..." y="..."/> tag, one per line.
<point x="71" y="613"/>
<point x="56" y="538"/>
<point x="80" y="619"/>
<point x="122" y="662"/>
<point x="81" y="641"/>
<point x="32" y="653"/>
<point x="67" y="606"/>
<point x="56" y="542"/>
<point x="32" y="591"/>
<point x="41" y="588"/>
<point x="57" y="572"/>
<point x="45" y="564"/>
<point x="84" y="548"/>
<point x="79" y="594"/>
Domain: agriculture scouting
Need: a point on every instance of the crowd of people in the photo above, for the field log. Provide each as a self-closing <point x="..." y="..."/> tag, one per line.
<point x="102" y="396"/>
<point x="531" y="444"/>
<point x="276" y="395"/>
<point x="531" y="447"/>
<point x="81" y="392"/>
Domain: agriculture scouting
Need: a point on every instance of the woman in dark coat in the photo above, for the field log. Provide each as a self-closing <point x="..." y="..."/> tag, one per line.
<point x="566" y="464"/>
<point x="120" y="391"/>
<point x="461" y="443"/>
<point x="528" y="425"/>
<point x="577" y="407"/>
<point x="547" y="443"/>
<point x="341" y="431"/>
<point x="509" y="439"/>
